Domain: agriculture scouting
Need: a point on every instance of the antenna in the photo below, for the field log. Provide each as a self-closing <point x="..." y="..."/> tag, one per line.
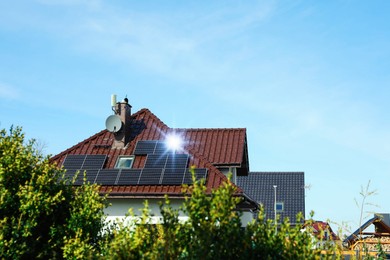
<point x="113" y="100"/>
<point x="113" y="123"/>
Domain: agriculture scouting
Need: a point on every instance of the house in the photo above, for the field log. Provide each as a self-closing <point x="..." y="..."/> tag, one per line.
<point x="323" y="234"/>
<point x="362" y="237"/>
<point x="132" y="161"/>
<point x="322" y="231"/>
<point x="282" y="193"/>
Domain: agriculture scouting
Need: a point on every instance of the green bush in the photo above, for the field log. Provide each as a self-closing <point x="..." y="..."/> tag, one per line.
<point x="213" y="231"/>
<point x="40" y="215"/>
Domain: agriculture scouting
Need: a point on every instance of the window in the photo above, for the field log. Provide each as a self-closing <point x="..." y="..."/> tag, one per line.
<point x="326" y="235"/>
<point x="279" y="206"/>
<point x="124" y="162"/>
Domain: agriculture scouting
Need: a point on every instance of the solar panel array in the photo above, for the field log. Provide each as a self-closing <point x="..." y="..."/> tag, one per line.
<point x="161" y="168"/>
<point x="136" y="176"/>
<point x="83" y="162"/>
<point x="150" y="147"/>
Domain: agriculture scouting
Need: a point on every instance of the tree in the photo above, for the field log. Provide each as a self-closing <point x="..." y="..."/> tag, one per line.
<point x="41" y="215"/>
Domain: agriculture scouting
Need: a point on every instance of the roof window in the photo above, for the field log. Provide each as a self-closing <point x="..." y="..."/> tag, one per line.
<point x="124" y="162"/>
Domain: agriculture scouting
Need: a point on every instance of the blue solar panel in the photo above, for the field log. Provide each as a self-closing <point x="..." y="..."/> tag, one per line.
<point x="80" y="178"/>
<point x="200" y="173"/>
<point x="177" y="161"/>
<point x="91" y="175"/>
<point x="161" y="148"/>
<point x="68" y="176"/>
<point x="150" y="176"/>
<point x="73" y="161"/>
<point x="173" y="176"/>
<point x="107" y="176"/>
<point x="129" y="177"/>
<point x="156" y="161"/>
<point x="145" y="147"/>
<point x="77" y="161"/>
<point x="95" y="161"/>
<point x="161" y="168"/>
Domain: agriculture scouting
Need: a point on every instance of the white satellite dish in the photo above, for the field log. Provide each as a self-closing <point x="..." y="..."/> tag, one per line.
<point x="113" y="123"/>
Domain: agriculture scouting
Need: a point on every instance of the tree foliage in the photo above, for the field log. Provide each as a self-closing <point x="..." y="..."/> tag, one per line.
<point x="213" y="231"/>
<point x="41" y="216"/>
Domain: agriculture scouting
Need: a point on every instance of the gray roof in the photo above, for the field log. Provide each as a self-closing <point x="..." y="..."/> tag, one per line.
<point x="290" y="190"/>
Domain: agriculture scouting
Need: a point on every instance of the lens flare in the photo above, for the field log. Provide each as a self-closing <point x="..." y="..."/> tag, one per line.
<point x="174" y="142"/>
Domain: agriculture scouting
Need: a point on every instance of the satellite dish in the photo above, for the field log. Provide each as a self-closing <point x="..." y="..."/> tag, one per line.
<point x="113" y="123"/>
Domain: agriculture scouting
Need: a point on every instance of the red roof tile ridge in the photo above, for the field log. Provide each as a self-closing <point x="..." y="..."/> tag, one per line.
<point x="151" y="114"/>
<point x="210" y="129"/>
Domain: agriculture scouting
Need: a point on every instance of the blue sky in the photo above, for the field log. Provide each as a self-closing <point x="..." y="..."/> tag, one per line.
<point x="308" y="79"/>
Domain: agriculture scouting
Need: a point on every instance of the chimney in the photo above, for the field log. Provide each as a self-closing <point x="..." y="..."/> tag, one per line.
<point x="123" y="111"/>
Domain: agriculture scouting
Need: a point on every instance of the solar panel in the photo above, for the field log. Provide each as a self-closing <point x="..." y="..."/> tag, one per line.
<point x="161" y="168"/>
<point x="145" y="147"/>
<point x="161" y="148"/>
<point x="80" y="178"/>
<point x="91" y="175"/>
<point x="68" y="176"/>
<point x="107" y="176"/>
<point x="150" y="176"/>
<point x="73" y="161"/>
<point x="177" y="161"/>
<point x="156" y="161"/>
<point x="129" y="177"/>
<point x="200" y="173"/>
<point x="77" y="161"/>
<point x="173" y="176"/>
<point x="94" y="161"/>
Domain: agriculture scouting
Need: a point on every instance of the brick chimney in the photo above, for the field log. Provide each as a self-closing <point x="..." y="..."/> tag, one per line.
<point x="122" y="137"/>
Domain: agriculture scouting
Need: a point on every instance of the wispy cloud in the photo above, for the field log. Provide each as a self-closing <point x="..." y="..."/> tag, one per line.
<point x="182" y="45"/>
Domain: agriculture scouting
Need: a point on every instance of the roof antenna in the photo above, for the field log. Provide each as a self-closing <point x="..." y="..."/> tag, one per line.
<point x="113" y="102"/>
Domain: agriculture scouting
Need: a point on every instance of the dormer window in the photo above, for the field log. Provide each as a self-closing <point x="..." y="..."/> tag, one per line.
<point x="124" y="162"/>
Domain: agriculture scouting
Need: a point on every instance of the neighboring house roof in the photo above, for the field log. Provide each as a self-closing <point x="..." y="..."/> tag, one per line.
<point x="207" y="148"/>
<point x="290" y="191"/>
<point x="382" y="228"/>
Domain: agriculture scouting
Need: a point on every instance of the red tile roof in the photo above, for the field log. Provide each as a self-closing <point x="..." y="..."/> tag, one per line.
<point x="208" y="148"/>
<point x="318" y="227"/>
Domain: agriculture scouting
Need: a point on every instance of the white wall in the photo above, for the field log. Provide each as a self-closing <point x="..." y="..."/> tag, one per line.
<point x="120" y="207"/>
<point x="227" y="170"/>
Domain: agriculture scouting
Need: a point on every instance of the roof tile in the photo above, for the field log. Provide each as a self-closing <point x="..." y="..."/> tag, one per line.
<point x="290" y="190"/>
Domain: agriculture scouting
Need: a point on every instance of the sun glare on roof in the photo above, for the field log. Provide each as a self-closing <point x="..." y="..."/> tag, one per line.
<point x="174" y="142"/>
